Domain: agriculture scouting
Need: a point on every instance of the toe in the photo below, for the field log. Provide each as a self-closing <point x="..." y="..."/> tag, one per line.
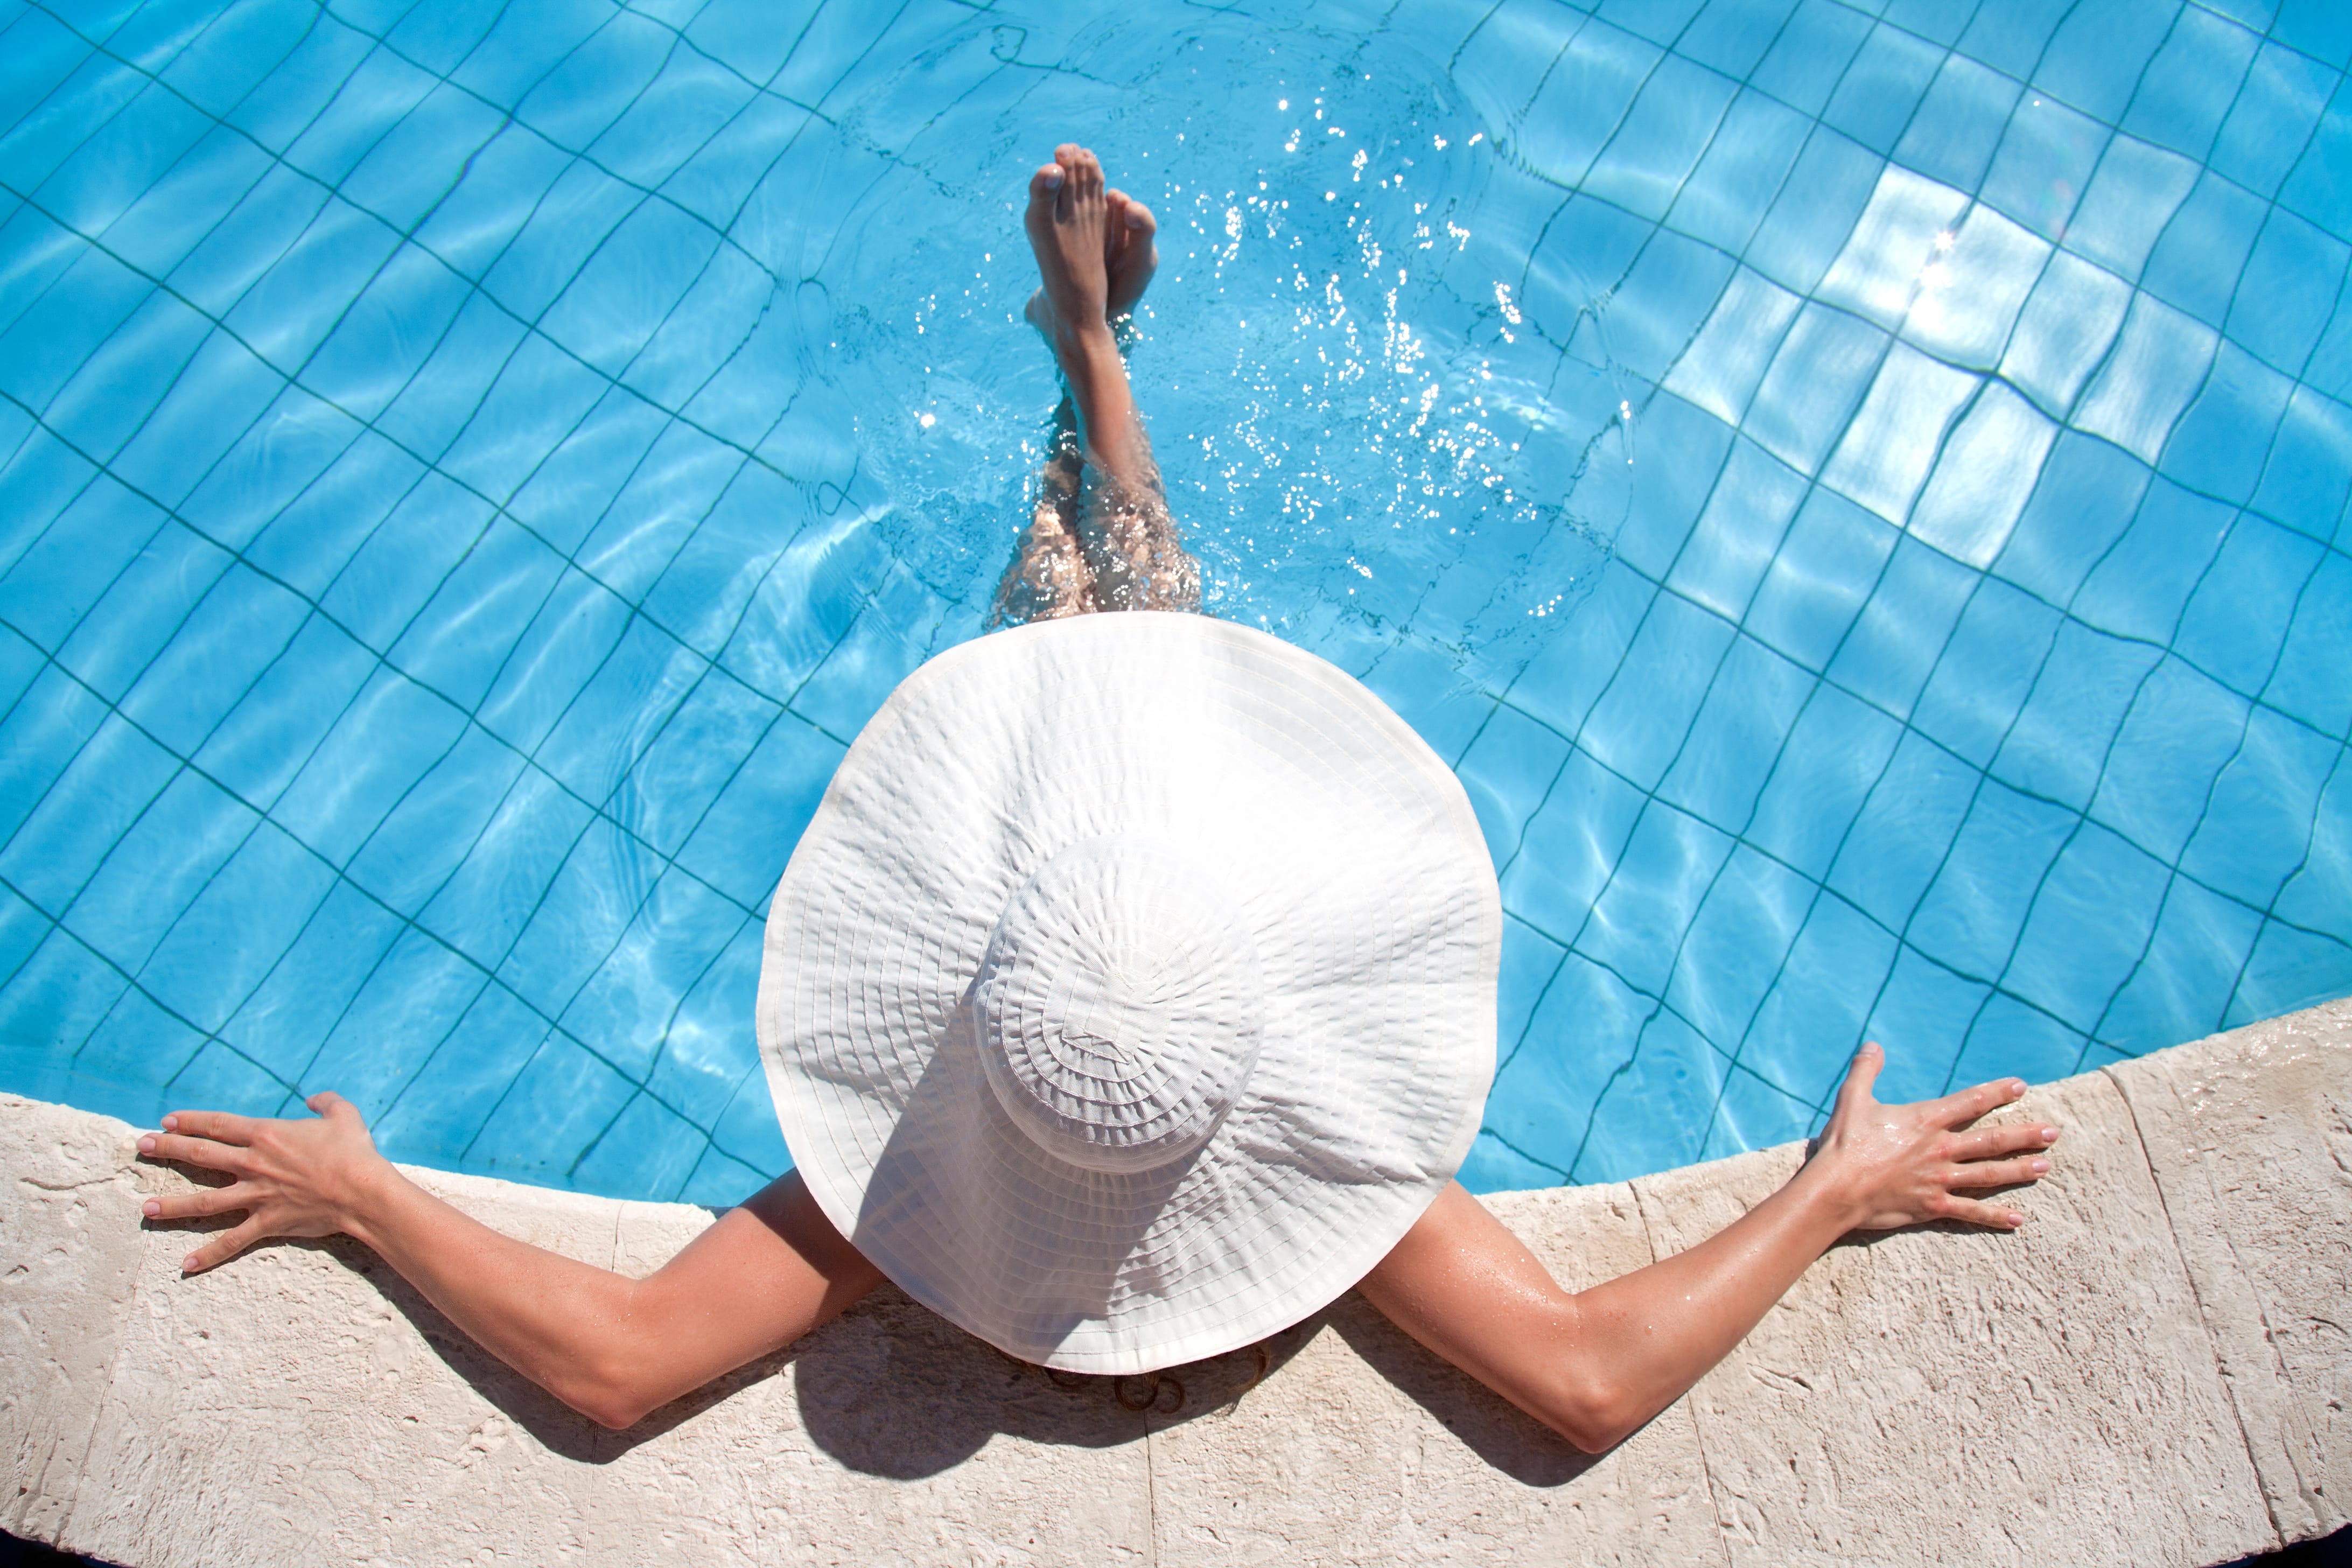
<point x="1087" y="173"/>
<point x="1139" y="222"/>
<point x="1115" y="231"/>
<point x="1046" y="187"/>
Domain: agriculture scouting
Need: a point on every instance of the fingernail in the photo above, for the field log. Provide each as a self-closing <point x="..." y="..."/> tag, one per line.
<point x="147" y="1143"/>
<point x="154" y="1209"/>
<point x="2050" y="1135"/>
<point x="188" y="1264"/>
<point x="2040" y="1166"/>
<point x="2015" y="1217"/>
<point x="2016" y="1086"/>
<point x="170" y="1124"/>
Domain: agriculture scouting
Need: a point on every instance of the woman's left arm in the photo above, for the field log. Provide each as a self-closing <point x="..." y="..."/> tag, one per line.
<point x="613" y="1348"/>
<point x="1597" y="1364"/>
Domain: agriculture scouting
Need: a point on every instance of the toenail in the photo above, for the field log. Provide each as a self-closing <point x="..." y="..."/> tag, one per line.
<point x="1053" y="179"/>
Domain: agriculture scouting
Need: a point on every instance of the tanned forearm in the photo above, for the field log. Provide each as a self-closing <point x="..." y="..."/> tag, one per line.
<point x="611" y="1347"/>
<point x="1692" y="1309"/>
<point x="1597" y="1364"/>
<point x="575" y="1330"/>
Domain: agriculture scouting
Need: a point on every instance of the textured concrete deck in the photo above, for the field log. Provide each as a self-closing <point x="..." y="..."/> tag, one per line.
<point x="2155" y="1372"/>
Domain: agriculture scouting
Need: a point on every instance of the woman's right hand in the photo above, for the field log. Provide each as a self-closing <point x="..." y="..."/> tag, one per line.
<point x="309" y="1178"/>
<point x="1895" y="1166"/>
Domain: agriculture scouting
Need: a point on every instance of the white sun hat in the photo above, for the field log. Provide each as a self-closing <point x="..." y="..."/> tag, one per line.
<point x="1132" y="991"/>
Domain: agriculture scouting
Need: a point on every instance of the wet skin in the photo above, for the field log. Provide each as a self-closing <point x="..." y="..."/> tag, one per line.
<point x="1594" y="1365"/>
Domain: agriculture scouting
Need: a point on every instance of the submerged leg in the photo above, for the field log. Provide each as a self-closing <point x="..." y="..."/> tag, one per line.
<point x="1048" y="577"/>
<point x="1130" y="542"/>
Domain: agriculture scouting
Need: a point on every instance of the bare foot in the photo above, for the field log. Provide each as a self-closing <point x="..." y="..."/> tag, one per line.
<point x="1068" y="222"/>
<point x="1132" y="258"/>
<point x="1069" y="225"/>
<point x="1129" y="255"/>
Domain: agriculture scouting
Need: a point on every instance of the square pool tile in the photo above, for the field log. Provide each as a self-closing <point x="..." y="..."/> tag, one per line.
<point x="2257" y="827"/>
<point x="2058" y="745"/>
<point x="1990" y="664"/>
<point x="1571" y="848"/>
<point x="1641" y="918"/>
<point x="2133" y="195"/>
<point x="1741" y="734"/>
<point x="1735" y="945"/>
<point x="2143" y="583"/>
<point x="1811" y="1021"/>
<point x="558" y="1107"/>
<point x="1906" y="829"/>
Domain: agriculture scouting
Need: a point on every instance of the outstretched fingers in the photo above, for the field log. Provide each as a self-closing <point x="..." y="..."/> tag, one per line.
<point x="1957" y="1110"/>
<point x="2009" y="1138"/>
<point x="1862" y="1075"/>
<point x="2011" y="1172"/>
<point x="220" y="1126"/>
<point x="1976" y="1211"/>
<point x="206" y="1152"/>
<point x="332" y="1106"/>
<point x="220" y="1248"/>
<point x="202" y="1202"/>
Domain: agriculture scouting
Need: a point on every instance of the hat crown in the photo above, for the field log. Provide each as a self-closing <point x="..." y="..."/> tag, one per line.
<point x="1119" y="1007"/>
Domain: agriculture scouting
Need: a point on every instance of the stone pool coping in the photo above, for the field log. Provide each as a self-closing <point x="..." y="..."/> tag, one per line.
<point x="2153" y="1371"/>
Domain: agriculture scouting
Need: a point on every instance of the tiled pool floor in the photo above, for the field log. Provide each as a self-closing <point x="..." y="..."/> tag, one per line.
<point x="1857" y="490"/>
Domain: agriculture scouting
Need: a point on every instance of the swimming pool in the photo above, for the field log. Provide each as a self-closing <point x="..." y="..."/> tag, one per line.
<point x="1855" y="490"/>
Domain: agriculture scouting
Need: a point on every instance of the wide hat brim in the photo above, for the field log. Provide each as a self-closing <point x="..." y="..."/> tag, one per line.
<point x="1357" y="866"/>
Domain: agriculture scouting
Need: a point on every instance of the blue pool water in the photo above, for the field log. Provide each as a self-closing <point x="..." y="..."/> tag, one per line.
<point x="1856" y="491"/>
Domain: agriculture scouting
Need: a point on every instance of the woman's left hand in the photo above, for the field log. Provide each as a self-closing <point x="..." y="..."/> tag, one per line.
<point x="308" y="1177"/>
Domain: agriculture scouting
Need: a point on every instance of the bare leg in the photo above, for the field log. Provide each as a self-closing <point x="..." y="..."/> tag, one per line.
<point x="1049" y="576"/>
<point x="1130" y="542"/>
<point x="1099" y="537"/>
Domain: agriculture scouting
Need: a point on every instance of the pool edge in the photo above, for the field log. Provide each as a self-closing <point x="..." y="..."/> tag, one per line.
<point x="2144" y="1374"/>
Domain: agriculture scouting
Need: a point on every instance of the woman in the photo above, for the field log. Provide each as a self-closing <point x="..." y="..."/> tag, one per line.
<point x="1131" y="996"/>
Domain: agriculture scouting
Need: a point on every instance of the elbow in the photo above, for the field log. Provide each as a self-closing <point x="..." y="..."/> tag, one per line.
<point x="612" y="1414"/>
<point x="1589" y="1434"/>
<point x="1593" y="1415"/>
<point x="614" y="1398"/>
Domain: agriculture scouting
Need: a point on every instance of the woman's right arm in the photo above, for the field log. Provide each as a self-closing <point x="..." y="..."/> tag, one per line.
<point x="612" y="1348"/>
<point x="1597" y="1364"/>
